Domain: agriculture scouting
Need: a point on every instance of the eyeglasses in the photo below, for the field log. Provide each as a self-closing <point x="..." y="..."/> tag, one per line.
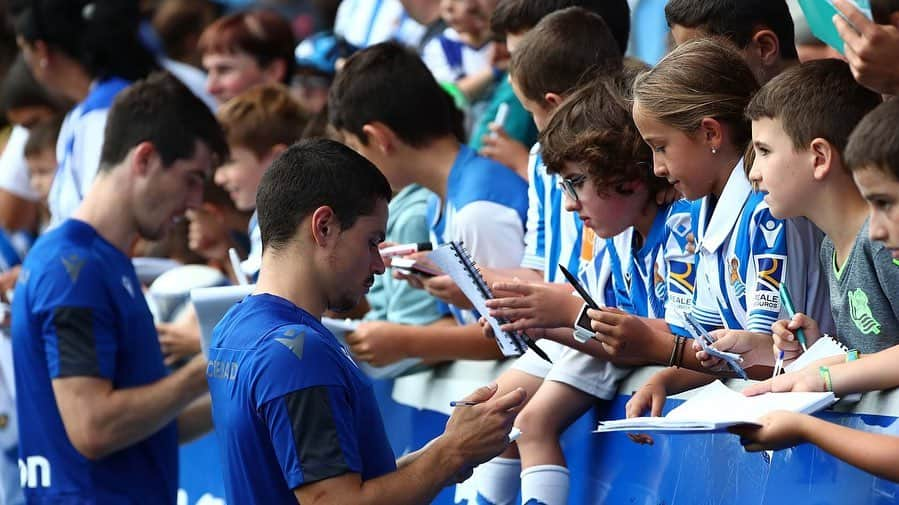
<point x="569" y="186"/>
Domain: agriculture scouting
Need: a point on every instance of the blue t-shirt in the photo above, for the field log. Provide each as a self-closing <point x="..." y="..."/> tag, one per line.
<point x="290" y="406"/>
<point x="79" y="311"/>
<point x="485" y="208"/>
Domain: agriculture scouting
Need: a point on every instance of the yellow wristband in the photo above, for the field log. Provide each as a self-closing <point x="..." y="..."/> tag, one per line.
<point x="825" y="374"/>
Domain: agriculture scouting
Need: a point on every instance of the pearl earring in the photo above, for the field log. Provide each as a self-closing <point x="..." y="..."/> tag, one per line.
<point x="714" y="150"/>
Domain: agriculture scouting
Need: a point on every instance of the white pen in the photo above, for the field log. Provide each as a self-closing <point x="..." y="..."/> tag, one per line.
<point x="404" y="249"/>
<point x="502" y="111"/>
<point x="235" y="265"/>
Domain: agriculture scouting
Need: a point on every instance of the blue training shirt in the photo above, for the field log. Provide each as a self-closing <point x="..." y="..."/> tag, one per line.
<point x="79" y="311"/>
<point x="290" y="406"/>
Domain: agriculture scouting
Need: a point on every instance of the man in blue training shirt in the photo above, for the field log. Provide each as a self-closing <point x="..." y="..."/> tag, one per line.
<point x="296" y="420"/>
<point x="97" y="405"/>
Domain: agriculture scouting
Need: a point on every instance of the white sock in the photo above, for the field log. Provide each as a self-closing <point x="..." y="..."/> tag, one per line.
<point x="498" y="481"/>
<point x="544" y="484"/>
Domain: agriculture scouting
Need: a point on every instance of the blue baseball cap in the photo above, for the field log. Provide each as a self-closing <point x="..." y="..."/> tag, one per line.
<point x="321" y="51"/>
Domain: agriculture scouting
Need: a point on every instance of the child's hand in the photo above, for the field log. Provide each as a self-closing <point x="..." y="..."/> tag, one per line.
<point x="207" y="234"/>
<point x="444" y="288"/>
<point x="414" y="280"/>
<point x="872" y="51"/>
<point x="375" y="342"/>
<point x="178" y="340"/>
<point x="754" y="348"/>
<point x="779" y="430"/>
<point x="808" y="379"/>
<point x="622" y="335"/>
<point x="651" y="397"/>
<point x="532" y="305"/>
<point x="784" y="332"/>
<point x="486" y="329"/>
<point x="499" y="146"/>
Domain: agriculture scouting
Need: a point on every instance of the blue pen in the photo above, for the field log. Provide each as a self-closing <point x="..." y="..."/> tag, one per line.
<point x="778" y="366"/>
<point x="791" y="311"/>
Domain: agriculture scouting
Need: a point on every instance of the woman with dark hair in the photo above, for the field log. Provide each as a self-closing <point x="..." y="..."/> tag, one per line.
<point x="86" y="51"/>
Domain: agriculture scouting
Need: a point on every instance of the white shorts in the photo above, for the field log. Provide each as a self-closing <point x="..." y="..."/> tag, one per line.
<point x="591" y="375"/>
<point x="532" y="364"/>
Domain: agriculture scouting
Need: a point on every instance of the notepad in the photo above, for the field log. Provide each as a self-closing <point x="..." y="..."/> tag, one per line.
<point x="211" y="305"/>
<point x="715" y="407"/>
<point x="455" y="261"/>
<point x="824" y="347"/>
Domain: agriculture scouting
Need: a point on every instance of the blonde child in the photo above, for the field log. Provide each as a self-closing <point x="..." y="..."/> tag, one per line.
<point x="689" y="110"/>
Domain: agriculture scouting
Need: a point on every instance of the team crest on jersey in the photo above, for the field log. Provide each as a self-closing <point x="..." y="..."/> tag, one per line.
<point x="735" y="279"/>
<point x="658" y="283"/>
<point x="770" y="270"/>
<point x="861" y="313"/>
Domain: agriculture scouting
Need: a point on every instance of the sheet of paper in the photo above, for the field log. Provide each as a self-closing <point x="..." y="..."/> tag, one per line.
<point x="474" y="287"/>
<point x="824" y="347"/>
<point x="716" y="407"/>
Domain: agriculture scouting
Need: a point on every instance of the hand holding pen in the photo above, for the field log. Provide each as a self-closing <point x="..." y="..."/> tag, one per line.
<point x="481" y="430"/>
<point x="785" y="334"/>
<point x="787" y="302"/>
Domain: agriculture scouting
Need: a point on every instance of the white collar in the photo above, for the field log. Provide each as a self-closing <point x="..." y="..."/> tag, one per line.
<point x="727" y="210"/>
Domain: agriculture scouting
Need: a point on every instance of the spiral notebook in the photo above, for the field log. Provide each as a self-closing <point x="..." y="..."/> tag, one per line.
<point x="456" y="262"/>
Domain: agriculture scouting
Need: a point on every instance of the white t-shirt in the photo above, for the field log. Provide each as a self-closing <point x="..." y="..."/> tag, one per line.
<point x="13" y="169"/>
<point x="367" y="22"/>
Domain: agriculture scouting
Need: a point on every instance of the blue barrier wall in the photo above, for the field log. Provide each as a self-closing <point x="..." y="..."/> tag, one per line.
<point x="608" y="468"/>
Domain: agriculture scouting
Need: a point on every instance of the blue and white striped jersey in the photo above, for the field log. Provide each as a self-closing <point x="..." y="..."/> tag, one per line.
<point x="655" y="280"/>
<point x="553" y="235"/>
<point x="744" y="253"/>
<point x="484" y="208"/>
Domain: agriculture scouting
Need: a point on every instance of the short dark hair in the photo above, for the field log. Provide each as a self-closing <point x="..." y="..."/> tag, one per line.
<point x="20" y="89"/>
<point x="311" y="174"/>
<point x="874" y="144"/>
<point x="101" y="35"/>
<point x="594" y="127"/>
<point x="388" y="83"/>
<point x="564" y="49"/>
<point x="263" y="34"/>
<point x="737" y="20"/>
<point x="519" y="16"/>
<point x="162" y="110"/>
<point x="42" y="136"/>
<point x="881" y="10"/>
<point x="817" y="99"/>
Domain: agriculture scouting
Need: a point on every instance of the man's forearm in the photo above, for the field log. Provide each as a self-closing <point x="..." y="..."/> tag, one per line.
<point x="195" y="420"/>
<point x="101" y="420"/>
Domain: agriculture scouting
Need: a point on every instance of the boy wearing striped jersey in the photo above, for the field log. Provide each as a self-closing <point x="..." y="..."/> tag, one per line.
<point x="607" y="179"/>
